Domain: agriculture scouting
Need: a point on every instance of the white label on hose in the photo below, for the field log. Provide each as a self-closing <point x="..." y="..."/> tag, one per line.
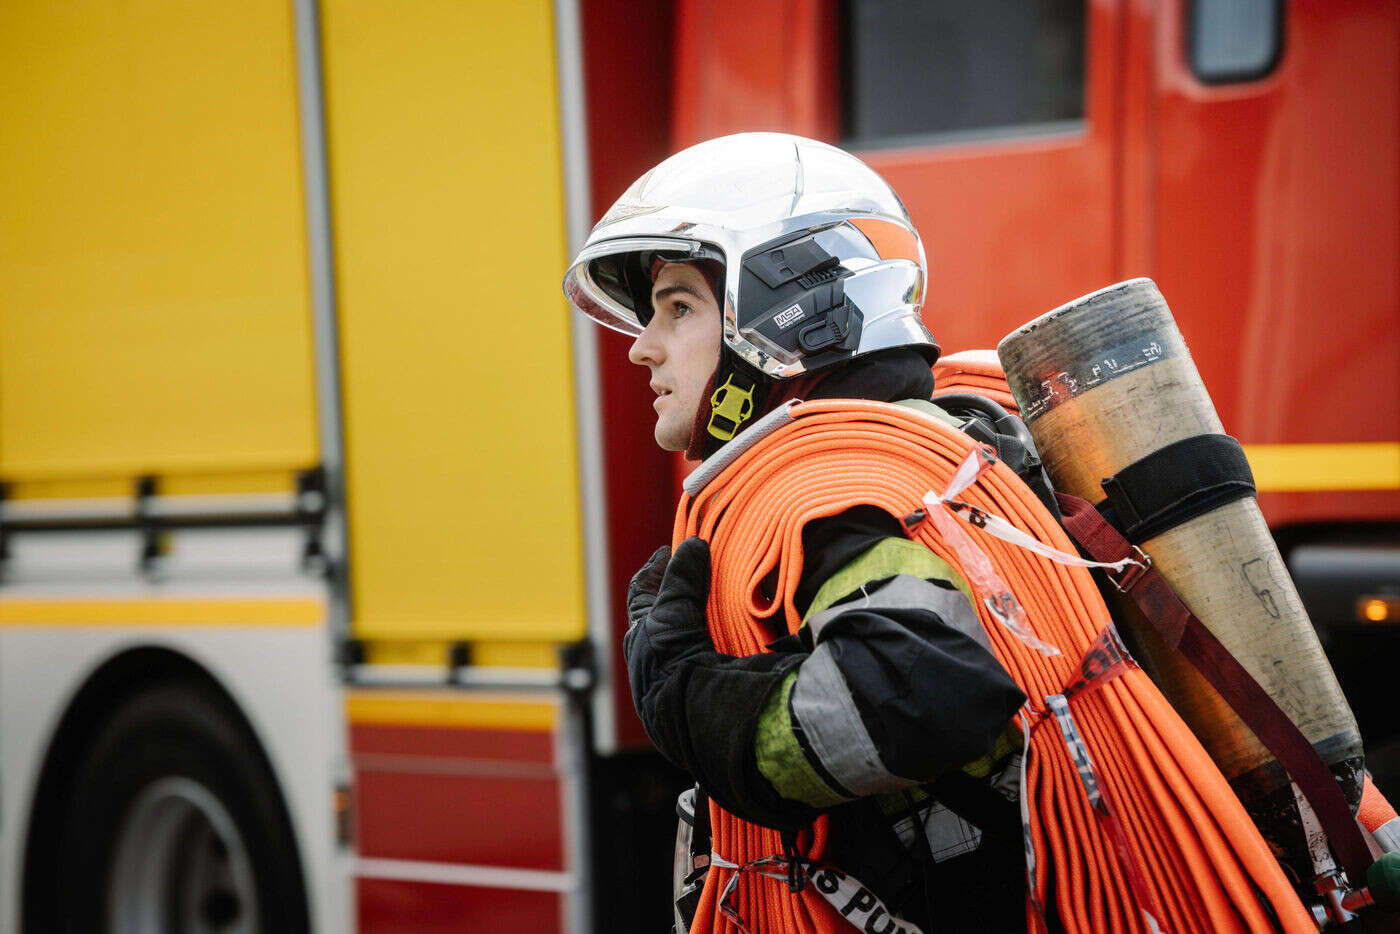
<point x="856" y="903"/>
<point x="1315" y="836"/>
<point x="1078" y="752"/>
<point x="976" y="464"/>
<point x="1027" y="840"/>
<point x="996" y="596"/>
<point x="1058" y="705"/>
<point x="980" y="459"/>
<point x="1105" y="659"/>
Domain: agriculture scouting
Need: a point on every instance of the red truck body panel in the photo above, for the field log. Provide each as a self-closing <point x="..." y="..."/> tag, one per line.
<point x="1268" y="211"/>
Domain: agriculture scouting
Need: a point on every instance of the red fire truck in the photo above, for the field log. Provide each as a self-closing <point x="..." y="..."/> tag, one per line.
<point x="318" y="506"/>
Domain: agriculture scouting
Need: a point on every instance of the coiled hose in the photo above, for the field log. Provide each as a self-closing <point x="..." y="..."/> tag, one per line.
<point x="976" y="371"/>
<point x="1186" y="856"/>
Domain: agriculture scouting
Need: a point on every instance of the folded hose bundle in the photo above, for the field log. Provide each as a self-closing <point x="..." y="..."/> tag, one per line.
<point x="977" y="371"/>
<point x="1129" y="824"/>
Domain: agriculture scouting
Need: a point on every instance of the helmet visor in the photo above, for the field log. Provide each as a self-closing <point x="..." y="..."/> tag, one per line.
<point x="610" y="281"/>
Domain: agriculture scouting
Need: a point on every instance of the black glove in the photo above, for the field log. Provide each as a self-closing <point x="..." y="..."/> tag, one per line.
<point x="666" y="607"/>
<point x="641" y="593"/>
<point x="701" y="707"/>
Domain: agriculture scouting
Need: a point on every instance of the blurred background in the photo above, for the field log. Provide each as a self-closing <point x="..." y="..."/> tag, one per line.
<point x="318" y="506"/>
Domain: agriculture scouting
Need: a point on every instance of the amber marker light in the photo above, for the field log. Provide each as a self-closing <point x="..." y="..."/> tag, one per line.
<point x="1378" y="609"/>
<point x="343" y="803"/>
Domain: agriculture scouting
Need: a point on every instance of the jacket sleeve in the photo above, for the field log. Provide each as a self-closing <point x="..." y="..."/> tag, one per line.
<point x="701" y="709"/>
<point x="890" y="684"/>
<point x="900" y="686"/>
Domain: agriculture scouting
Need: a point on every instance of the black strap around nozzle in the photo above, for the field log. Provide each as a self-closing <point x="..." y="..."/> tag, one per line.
<point x="1175" y="484"/>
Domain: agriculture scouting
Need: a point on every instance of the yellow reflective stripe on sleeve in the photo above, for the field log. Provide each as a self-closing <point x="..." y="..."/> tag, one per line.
<point x="1008" y="742"/>
<point x="887" y="558"/>
<point x="780" y="757"/>
<point x="898" y="803"/>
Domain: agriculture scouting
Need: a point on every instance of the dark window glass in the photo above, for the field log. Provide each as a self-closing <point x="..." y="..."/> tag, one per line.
<point x="1234" y="40"/>
<point x="920" y="67"/>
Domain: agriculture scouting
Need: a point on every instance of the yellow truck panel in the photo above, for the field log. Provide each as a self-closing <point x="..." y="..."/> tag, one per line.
<point x="446" y="190"/>
<point x="154" y="306"/>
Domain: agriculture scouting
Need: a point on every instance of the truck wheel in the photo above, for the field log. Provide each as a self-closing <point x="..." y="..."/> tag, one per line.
<point x="175" y="825"/>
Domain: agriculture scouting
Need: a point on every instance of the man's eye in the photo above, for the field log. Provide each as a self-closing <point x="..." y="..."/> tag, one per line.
<point x="680" y="309"/>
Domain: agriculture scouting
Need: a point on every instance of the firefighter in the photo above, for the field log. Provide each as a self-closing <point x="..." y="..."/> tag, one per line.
<point x="754" y="269"/>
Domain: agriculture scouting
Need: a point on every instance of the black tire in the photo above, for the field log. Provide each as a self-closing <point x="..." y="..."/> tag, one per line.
<point x="173" y="734"/>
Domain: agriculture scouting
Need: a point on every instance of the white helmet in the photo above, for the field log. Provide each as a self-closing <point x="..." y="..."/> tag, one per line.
<point x="821" y="262"/>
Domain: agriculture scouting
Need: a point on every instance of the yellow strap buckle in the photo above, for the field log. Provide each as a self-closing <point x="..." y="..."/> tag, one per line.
<point x="731" y="404"/>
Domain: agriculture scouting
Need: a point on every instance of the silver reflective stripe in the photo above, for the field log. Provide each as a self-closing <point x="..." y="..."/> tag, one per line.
<point x="682" y="863"/>
<point x="1387" y="835"/>
<point x="948" y="834"/>
<point x="824" y="709"/>
<point x="906" y="592"/>
<point x="711" y="467"/>
<point x="1007" y="782"/>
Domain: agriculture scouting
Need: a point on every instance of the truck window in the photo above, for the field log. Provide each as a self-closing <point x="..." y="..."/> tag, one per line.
<point x="917" y="68"/>
<point x="1234" y="40"/>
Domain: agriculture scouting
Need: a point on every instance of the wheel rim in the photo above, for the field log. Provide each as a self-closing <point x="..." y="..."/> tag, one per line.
<point x="180" y="866"/>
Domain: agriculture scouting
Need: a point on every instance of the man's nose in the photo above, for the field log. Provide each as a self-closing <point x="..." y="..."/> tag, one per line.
<point x="646" y="349"/>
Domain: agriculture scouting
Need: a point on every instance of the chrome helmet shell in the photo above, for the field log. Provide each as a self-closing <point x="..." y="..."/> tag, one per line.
<point x="821" y="261"/>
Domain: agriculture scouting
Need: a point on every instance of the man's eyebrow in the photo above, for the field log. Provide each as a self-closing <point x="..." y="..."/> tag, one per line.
<point x="663" y="294"/>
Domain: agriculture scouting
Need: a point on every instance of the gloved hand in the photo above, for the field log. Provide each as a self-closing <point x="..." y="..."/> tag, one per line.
<point x="701" y="707"/>
<point x="666" y="607"/>
<point x="641" y="592"/>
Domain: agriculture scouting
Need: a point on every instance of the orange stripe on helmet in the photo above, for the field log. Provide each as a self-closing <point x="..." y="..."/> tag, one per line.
<point x="891" y="240"/>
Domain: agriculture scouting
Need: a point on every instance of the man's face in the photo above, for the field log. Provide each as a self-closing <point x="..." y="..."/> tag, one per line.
<point x="681" y="348"/>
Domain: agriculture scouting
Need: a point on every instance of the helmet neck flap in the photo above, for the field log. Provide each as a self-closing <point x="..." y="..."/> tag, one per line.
<point x="885" y="376"/>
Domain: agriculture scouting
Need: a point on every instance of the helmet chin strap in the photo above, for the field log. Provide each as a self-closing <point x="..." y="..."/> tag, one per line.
<point x="734" y="396"/>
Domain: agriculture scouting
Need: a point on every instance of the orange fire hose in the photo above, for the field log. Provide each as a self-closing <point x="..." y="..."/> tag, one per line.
<point x="1186" y="846"/>
<point x="1375" y="811"/>
<point x="976" y="371"/>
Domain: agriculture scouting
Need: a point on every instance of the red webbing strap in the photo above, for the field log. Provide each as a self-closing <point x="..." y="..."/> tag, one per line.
<point x="1188" y="635"/>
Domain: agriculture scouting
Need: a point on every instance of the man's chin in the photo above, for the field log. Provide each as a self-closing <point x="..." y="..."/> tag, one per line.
<point x="670" y="436"/>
